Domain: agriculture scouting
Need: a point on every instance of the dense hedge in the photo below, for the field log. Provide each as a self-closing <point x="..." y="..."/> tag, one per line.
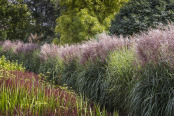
<point x="138" y="15"/>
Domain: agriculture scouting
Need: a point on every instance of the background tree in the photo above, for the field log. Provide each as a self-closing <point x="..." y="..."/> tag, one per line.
<point x="82" y="19"/>
<point x="44" y="14"/>
<point x="138" y="15"/>
<point x="14" y="19"/>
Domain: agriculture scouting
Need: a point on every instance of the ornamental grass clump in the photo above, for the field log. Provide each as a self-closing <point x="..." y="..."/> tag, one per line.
<point x="156" y="46"/>
<point x="100" y="48"/>
<point x="91" y="50"/>
<point x="120" y="77"/>
<point x="53" y="69"/>
<point x="89" y="80"/>
<point x="153" y="94"/>
<point x="19" y="47"/>
<point x="67" y="53"/>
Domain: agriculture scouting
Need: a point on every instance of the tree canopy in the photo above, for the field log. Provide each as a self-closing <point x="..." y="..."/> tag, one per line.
<point x="44" y="14"/>
<point x="140" y="15"/>
<point x="20" y="18"/>
<point x="82" y="19"/>
<point x="14" y="19"/>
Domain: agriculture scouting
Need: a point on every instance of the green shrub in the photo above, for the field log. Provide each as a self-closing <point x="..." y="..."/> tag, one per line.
<point x="138" y="15"/>
<point x="10" y="66"/>
<point x="153" y="95"/>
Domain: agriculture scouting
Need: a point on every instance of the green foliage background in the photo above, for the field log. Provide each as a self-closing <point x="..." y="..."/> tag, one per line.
<point x="44" y="14"/>
<point x="14" y="20"/>
<point x="81" y="20"/>
<point x="139" y="15"/>
<point x="20" y="18"/>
